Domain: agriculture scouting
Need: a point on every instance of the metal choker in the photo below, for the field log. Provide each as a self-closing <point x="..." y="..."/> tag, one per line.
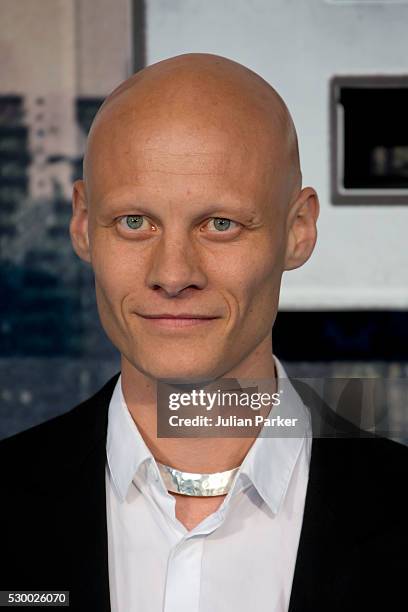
<point x="199" y="485"/>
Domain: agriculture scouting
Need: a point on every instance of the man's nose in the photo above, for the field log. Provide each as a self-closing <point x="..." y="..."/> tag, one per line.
<point x="175" y="265"/>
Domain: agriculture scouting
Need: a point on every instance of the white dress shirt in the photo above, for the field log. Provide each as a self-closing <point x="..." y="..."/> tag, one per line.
<point x="240" y="558"/>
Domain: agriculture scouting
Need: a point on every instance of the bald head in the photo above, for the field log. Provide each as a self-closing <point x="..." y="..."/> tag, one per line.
<point x="197" y="95"/>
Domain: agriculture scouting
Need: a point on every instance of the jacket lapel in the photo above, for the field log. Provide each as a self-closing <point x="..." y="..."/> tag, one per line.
<point x="88" y="532"/>
<point x="317" y="552"/>
<point x="328" y="531"/>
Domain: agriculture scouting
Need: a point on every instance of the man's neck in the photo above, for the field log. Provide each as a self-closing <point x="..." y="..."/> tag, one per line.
<point x="205" y="454"/>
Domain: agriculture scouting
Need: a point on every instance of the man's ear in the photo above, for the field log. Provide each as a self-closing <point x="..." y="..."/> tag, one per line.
<point x="78" y="227"/>
<point x="302" y="231"/>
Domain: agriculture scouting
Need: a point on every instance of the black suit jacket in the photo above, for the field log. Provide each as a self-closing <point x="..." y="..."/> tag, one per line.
<point x="353" y="547"/>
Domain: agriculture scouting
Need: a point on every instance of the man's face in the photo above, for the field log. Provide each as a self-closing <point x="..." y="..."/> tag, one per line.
<point x="185" y="218"/>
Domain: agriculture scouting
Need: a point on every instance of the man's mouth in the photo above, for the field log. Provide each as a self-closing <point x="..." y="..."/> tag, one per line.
<point x="176" y="321"/>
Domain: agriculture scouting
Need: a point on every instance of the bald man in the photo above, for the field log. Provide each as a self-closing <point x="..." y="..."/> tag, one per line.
<point x="190" y="209"/>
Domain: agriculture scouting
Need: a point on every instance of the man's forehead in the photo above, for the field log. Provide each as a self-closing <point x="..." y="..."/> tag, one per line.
<point x="158" y="174"/>
<point x="184" y="164"/>
<point x="136" y="144"/>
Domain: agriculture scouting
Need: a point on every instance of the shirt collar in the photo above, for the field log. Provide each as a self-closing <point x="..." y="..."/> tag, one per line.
<point x="268" y="465"/>
<point x="125" y="448"/>
<point x="271" y="459"/>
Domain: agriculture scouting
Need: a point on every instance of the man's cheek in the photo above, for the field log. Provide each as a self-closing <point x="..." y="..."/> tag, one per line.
<point x="108" y="294"/>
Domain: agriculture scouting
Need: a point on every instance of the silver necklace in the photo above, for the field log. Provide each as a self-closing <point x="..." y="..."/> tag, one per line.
<point x="199" y="485"/>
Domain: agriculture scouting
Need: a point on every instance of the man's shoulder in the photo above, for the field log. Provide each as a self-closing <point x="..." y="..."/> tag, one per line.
<point x="347" y="457"/>
<point x="54" y="442"/>
<point x="367" y="448"/>
<point x="366" y="476"/>
<point x="370" y="455"/>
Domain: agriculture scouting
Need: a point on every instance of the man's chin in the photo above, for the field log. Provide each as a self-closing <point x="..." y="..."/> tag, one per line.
<point x="181" y="372"/>
<point x="183" y="376"/>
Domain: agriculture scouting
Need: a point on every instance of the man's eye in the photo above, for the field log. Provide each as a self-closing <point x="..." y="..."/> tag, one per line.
<point x="132" y="221"/>
<point x="220" y="224"/>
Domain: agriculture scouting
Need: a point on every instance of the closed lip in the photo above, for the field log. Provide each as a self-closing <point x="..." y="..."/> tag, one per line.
<point x="183" y="315"/>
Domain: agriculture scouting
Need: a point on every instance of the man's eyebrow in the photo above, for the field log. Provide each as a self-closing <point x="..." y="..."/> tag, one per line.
<point x="112" y="205"/>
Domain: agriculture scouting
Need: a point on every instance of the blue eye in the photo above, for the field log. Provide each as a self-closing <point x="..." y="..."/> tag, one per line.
<point x="221" y="224"/>
<point x="134" y="221"/>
